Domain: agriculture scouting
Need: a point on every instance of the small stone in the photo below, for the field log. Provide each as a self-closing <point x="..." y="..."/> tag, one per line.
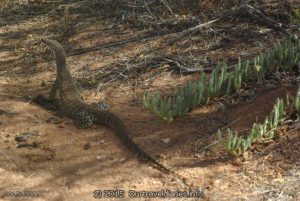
<point x="160" y="156"/>
<point x="51" y="157"/>
<point x="217" y="182"/>
<point x="122" y="160"/>
<point x="33" y="145"/>
<point x="61" y="126"/>
<point x="3" y="112"/>
<point x="87" y="146"/>
<point x="23" y="136"/>
<point x="43" y="83"/>
<point x="28" y="97"/>
<point x="54" y="120"/>
<point x="166" y="140"/>
<point x="98" y="157"/>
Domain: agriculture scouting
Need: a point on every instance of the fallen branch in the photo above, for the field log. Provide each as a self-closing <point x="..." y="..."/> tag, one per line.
<point x="200" y="26"/>
<point x="191" y="30"/>
<point x="262" y="17"/>
<point x="181" y="68"/>
<point x="249" y="9"/>
<point x="189" y="70"/>
<point x="114" y="44"/>
<point x="298" y="74"/>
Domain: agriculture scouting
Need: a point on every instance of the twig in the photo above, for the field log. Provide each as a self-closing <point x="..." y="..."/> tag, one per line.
<point x="200" y="26"/>
<point x="260" y="16"/>
<point x="183" y="69"/>
<point x="167" y="5"/>
<point x="298" y="72"/>
<point x="217" y="141"/>
<point x="191" y="30"/>
<point x="295" y="127"/>
<point x="208" y="146"/>
<point x="114" y="44"/>
<point x="188" y="70"/>
<point x="149" y="11"/>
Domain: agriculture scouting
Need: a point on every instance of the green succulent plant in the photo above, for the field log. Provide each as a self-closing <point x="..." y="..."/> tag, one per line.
<point x="284" y="54"/>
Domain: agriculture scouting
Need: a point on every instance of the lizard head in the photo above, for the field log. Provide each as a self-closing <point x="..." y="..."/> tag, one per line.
<point x="54" y="45"/>
<point x="59" y="53"/>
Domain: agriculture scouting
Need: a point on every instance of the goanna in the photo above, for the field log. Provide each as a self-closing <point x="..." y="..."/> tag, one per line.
<point x="85" y="115"/>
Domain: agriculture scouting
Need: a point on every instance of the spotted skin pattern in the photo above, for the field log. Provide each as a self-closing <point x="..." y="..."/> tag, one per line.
<point x="85" y="115"/>
<point x="103" y="106"/>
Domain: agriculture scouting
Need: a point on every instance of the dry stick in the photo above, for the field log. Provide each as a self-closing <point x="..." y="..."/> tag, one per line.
<point x="260" y="16"/>
<point x="298" y="72"/>
<point x="138" y="38"/>
<point x="200" y="26"/>
<point x="185" y="32"/>
<point x="5" y="4"/>
<point x="217" y="141"/>
<point x="149" y="11"/>
<point x="12" y="161"/>
<point x="249" y="9"/>
<point x="252" y="11"/>
<point x="188" y="31"/>
<point x="107" y="45"/>
<point x="184" y="69"/>
<point x="167" y="5"/>
<point x="296" y="127"/>
<point x="191" y="30"/>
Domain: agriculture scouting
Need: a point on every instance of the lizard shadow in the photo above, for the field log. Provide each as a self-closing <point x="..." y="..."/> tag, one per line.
<point x="46" y="103"/>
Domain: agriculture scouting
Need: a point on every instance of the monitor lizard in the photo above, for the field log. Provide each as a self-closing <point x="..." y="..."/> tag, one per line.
<point x="84" y="115"/>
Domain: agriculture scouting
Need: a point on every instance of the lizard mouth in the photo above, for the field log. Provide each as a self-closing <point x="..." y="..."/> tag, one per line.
<point x="45" y="41"/>
<point x="50" y="43"/>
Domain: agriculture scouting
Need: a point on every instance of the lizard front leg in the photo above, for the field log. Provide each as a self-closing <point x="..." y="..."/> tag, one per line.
<point x="53" y="91"/>
<point x="46" y="103"/>
<point x="49" y="103"/>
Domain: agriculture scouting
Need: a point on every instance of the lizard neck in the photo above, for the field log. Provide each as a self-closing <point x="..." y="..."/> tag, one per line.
<point x="61" y="65"/>
<point x="60" y="55"/>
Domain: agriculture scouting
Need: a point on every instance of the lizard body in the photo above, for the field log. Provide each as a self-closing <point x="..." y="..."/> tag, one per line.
<point x="85" y="115"/>
<point x="70" y="103"/>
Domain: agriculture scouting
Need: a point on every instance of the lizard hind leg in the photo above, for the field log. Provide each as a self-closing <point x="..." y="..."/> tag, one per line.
<point x="102" y="105"/>
<point x="83" y="120"/>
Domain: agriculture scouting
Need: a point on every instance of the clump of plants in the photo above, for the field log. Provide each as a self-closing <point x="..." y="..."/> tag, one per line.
<point x="297" y="101"/>
<point x="260" y="132"/>
<point x="283" y="55"/>
<point x="295" y="14"/>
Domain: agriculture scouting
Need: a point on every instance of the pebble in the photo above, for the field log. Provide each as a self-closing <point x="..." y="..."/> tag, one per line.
<point x="166" y="140"/>
<point x="87" y="146"/>
<point x="98" y="157"/>
<point x="54" y="120"/>
<point x="23" y="136"/>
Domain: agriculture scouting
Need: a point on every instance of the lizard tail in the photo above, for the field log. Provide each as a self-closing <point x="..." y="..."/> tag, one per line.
<point x="112" y="121"/>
